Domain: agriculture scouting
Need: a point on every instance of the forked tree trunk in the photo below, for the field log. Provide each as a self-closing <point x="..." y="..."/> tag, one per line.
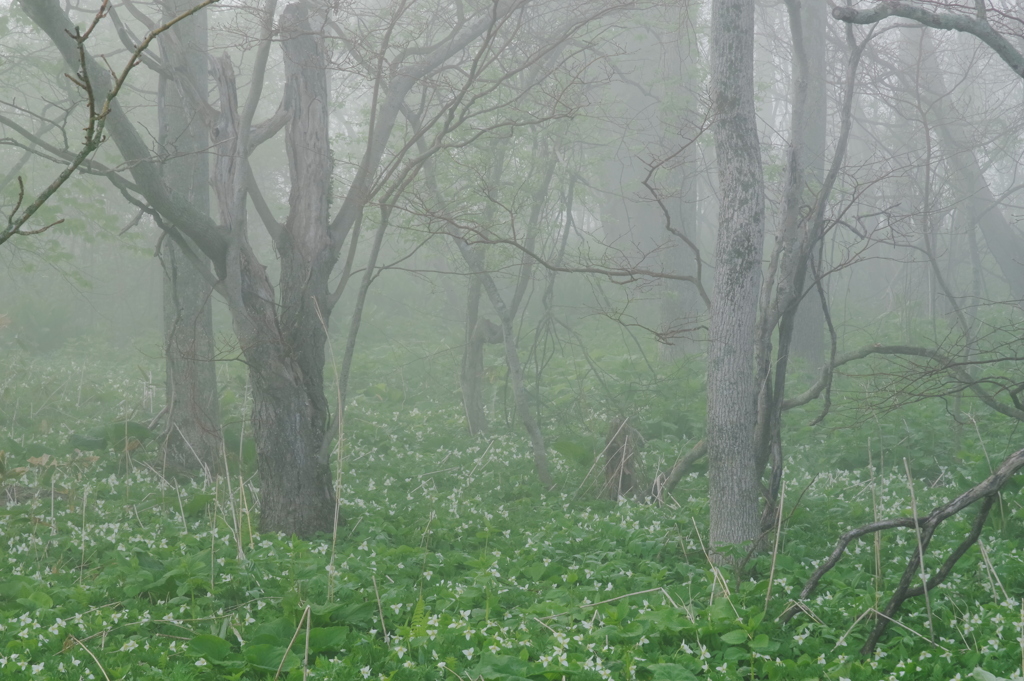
<point x="283" y="341"/>
<point x="291" y="415"/>
<point x="524" y="405"/>
<point x="284" y="345"/>
<point x="733" y="481"/>
<point x="193" y="434"/>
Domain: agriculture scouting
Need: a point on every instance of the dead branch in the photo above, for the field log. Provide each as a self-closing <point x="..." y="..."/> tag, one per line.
<point x="664" y="484"/>
<point x="986" y="490"/>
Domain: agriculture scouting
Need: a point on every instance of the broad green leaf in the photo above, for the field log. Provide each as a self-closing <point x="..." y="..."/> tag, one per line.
<point x="735" y="637"/>
<point x="671" y="672"/>
<point x="755" y="619"/>
<point x="760" y="643"/>
<point x="503" y="667"/>
<point x="19" y="587"/>
<point x="268" y="657"/>
<point x="325" y="639"/>
<point x="722" y="611"/>
<point x="277" y="632"/>
<point x="536" y="571"/>
<point x="213" y="648"/>
<point x="37" y="600"/>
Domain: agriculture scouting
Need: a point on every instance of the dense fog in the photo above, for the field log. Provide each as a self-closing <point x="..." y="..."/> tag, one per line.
<point x="656" y="250"/>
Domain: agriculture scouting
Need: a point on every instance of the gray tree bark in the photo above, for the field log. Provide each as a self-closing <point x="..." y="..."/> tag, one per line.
<point x="799" y="229"/>
<point x="284" y="344"/>
<point x="971" y="189"/>
<point x="471" y="377"/>
<point x="298" y="488"/>
<point x="193" y="430"/>
<point x="283" y="341"/>
<point x="803" y="226"/>
<point x="681" y="310"/>
<point x="733" y="479"/>
<point x="478" y="330"/>
<point x="808" y="139"/>
<point x="524" y="405"/>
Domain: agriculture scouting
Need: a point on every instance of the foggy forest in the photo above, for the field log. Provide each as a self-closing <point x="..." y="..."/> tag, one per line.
<point x="512" y="339"/>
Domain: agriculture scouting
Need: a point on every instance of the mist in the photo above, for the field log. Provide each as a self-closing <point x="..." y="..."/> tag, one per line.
<point x="725" y="273"/>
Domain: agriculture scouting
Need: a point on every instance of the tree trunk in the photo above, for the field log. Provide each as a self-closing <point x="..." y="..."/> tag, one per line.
<point x="682" y="310"/>
<point x="284" y="345"/>
<point x="794" y="251"/>
<point x="733" y="480"/>
<point x="193" y="429"/>
<point x="471" y="376"/>
<point x="524" y="405"/>
<point x="809" y="137"/>
<point x="296" y="492"/>
<point x="291" y="414"/>
<point x="967" y="180"/>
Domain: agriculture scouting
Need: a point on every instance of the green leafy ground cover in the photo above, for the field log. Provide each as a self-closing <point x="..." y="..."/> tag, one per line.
<point x="453" y="564"/>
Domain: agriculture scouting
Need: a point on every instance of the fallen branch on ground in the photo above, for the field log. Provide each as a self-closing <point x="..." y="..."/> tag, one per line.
<point x="986" y="490"/>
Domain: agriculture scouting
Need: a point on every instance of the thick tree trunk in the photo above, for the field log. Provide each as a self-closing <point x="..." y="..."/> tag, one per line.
<point x="733" y="480"/>
<point x="291" y="414"/>
<point x="296" y="492"/>
<point x="193" y="431"/>
<point x="284" y="345"/>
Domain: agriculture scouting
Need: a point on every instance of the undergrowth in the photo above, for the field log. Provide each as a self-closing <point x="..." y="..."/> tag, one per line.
<point x="454" y="564"/>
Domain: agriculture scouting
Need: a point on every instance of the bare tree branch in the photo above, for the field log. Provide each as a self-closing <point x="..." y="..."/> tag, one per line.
<point x="100" y="107"/>
<point x="951" y="364"/>
<point x="977" y="25"/>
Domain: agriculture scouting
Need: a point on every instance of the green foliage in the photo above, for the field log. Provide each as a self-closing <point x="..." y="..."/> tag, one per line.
<point x="454" y="559"/>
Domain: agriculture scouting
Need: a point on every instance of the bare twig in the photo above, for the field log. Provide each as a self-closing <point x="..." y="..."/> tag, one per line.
<point x="97" y="111"/>
<point x="985" y="491"/>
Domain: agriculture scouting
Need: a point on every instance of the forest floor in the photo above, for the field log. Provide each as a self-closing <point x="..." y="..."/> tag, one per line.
<point x="454" y="564"/>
